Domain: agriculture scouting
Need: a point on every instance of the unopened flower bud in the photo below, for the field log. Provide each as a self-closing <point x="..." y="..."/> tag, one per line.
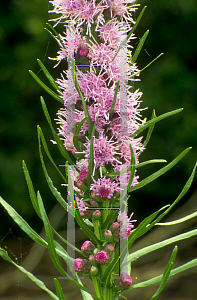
<point x="102" y="257"/>
<point x="115" y="228"/>
<point x="108" y="235"/>
<point x="80" y="265"/>
<point x="87" y="247"/>
<point x="93" y="271"/>
<point x="96" y="215"/>
<point x="91" y="259"/>
<point x="124" y="280"/>
<point x="95" y="251"/>
<point x="94" y="203"/>
<point x="110" y="249"/>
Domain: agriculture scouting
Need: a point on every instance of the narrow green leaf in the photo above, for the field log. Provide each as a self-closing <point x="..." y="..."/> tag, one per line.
<point x="32" y="193"/>
<point x="152" y="61"/>
<point x="111" y="112"/>
<point x="59" y="290"/>
<point x="156" y="279"/>
<point x="90" y="234"/>
<point x="22" y="223"/>
<point x="188" y="217"/>
<point x="60" y="145"/>
<point x="152" y="161"/>
<point x="183" y="192"/>
<point x="48" y="75"/>
<point x="91" y="161"/>
<point x="132" y="171"/>
<point x="76" y="135"/>
<point x="166" y="274"/>
<point x="67" y="243"/>
<point x="90" y="125"/>
<point x="132" y="30"/>
<point x="54" y="191"/>
<point x="49" y="155"/>
<point x="37" y="281"/>
<point x="157" y="174"/>
<point x="142" y="227"/>
<point x="49" y="237"/>
<point x="150" y="130"/>
<point x="135" y="255"/>
<point x="139" y="47"/>
<point x="153" y="121"/>
<point x="85" y="295"/>
<point x="46" y="88"/>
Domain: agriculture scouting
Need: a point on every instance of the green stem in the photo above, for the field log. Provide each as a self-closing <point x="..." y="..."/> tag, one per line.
<point x="105" y="211"/>
<point x="106" y="293"/>
<point x="96" y="286"/>
<point x="97" y="228"/>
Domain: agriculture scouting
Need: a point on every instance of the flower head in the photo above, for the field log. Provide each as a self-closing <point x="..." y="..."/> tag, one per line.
<point x="104" y="188"/>
<point x="87" y="247"/>
<point x="124" y="280"/>
<point x="80" y="265"/>
<point x="102" y="257"/>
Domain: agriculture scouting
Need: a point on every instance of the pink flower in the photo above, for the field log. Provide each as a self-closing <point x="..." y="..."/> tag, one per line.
<point x="80" y="265"/>
<point x="124" y="280"/>
<point x="104" y="188"/>
<point x="102" y="257"/>
<point x="125" y="225"/>
<point x="83" y="174"/>
<point x="87" y="247"/>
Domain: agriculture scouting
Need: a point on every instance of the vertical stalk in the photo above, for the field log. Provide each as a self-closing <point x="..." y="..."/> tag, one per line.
<point x="96" y="286"/>
<point x="97" y="228"/>
<point x="105" y="211"/>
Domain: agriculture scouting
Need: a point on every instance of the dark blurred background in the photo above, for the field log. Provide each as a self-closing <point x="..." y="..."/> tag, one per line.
<point x="168" y="84"/>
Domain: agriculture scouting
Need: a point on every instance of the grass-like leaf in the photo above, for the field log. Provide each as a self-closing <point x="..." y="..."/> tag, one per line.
<point x="37" y="281"/>
<point x="46" y="88"/>
<point x="154" y="120"/>
<point x="181" y="220"/>
<point x="32" y="193"/>
<point x="91" y="160"/>
<point x="111" y="112"/>
<point x="60" y="145"/>
<point x="59" y="290"/>
<point x="132" y="171"/>
<point x="166" y="274"/>
<point x="139" y="47"/>
<point x="48" y="75"/>
<point x="157" y="174"/>
<point x="152" y="161"/>
<point x="90" y="125"/>
<point x="152" y="61"/>
<point x="76" y="135"/>
<point x="156" y="279"/>
<point x="54" y="191"/>
<point x="130" y="33"/>
<point x="150" y="130"/>
<point x="49" y="155"/>
<point x="135" y="255"/>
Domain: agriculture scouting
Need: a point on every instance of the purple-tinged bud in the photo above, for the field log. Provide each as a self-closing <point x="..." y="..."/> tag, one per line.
<point x="80" y="265"/>
<point x="124" y="280"/>
<point x="95" y="251"/>
<point x="94" y="203"/>
<point x="108" y="235"/>
<point x="115" y="228"/>
<point x="83" y="174"/>
<point x="91" y="259"/>
<point x="87" y="247"/>
<point x="110" y="249"/>
<point x="83" y="51"/>
<point x="102" y="257"/>
<point x="93" y="271"/>
<point x="96" y="215"/>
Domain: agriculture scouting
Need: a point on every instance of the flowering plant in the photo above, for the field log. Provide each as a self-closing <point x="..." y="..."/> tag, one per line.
<point x="99" y="138"/>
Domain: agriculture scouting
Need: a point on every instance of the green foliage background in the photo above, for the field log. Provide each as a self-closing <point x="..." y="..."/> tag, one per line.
<point x="170" y="83"/>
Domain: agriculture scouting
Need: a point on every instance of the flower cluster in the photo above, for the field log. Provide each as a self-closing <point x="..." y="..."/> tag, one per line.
<point x="99" y="94"/>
